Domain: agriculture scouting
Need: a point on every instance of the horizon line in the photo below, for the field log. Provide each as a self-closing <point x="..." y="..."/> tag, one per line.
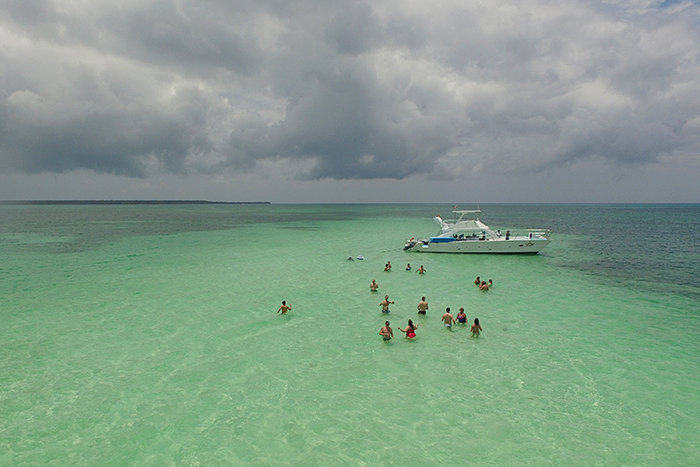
<point x="124" y="201"/>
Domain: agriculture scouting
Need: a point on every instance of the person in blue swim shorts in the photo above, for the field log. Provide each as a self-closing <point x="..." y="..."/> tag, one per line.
<point x="385" y="304"/>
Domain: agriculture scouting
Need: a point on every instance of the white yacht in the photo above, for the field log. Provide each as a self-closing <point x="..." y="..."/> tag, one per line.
<point x="473" y="236"/>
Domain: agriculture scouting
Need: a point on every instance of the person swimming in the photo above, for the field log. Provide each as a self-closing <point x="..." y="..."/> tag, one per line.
<point x="410" y="330"/>
<point x="461" y="316"/>
<point x="422" y="306"/>
<point x="385" y="304"/>
<point x="447" y="318"/>
<point x="476" y="328"/>
<point x="386" y="332"/>
<point x="284" y="308"/>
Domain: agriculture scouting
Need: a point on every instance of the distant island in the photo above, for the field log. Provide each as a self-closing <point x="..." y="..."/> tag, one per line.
<point x="124" y="201"/>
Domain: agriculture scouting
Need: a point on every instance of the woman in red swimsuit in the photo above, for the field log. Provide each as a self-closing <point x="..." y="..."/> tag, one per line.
<point x="410" y="329"/>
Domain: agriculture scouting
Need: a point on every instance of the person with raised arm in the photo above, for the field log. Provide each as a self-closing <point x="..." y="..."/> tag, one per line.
<point x="385" y="304"/>
<point x="284" y="308"/>
<point x="410" y="330"/>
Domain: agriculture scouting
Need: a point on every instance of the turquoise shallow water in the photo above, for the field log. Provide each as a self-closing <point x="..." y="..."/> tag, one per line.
<point x="147" y="335"/>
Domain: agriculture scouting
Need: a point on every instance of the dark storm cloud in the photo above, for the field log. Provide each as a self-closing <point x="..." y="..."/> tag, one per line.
<point x="99" y="122"/>
<point x="353" y="127"/>
<point x="354" y="29"/>
<point x="353" y="90"/>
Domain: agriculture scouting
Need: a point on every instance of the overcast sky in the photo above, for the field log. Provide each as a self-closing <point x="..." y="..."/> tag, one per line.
<point x="347" y="101"/>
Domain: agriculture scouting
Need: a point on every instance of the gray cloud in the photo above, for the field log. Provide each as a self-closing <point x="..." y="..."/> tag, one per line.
<point x="344" y="89"/>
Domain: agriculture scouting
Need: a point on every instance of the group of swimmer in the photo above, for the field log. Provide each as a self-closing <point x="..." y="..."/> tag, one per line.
<point x="447" y="318"/>
<point x="387" y="333"/>
<point x="420" y="270"/>
<point x="410" y="330"/>
<point x="482" y="284"/>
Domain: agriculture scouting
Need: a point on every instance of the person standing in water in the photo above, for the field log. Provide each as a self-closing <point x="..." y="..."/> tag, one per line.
<point x="422" y="306"/>
<point x="410" y="329"/>
<point x="387" y="266"/>
<point x="477" y="281"/>
<point x="284" y="308"/>
<point x="476" y="328"/>
<point x="447" y="318"/>
<point x="386" y="332"/>
<point x="385" y="304"/>
<point x="408" y="267"/>
<point x="373" y="286"/>
<point x="462" y="316"/>
<point x="421" y="270"/>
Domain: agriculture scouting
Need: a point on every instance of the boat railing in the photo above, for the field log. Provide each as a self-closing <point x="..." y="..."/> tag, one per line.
<point x="542" y="232"/>
<point x="523" y="234"/>
<point x="519" y="234"/>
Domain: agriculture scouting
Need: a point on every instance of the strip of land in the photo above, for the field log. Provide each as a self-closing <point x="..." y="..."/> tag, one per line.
<point x="122" y="201"/>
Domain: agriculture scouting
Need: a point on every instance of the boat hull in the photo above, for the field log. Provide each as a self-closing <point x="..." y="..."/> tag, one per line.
<point x="500" y="246"/>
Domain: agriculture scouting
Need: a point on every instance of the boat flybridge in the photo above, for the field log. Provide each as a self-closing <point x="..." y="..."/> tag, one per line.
<point x="473" y="236"/>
